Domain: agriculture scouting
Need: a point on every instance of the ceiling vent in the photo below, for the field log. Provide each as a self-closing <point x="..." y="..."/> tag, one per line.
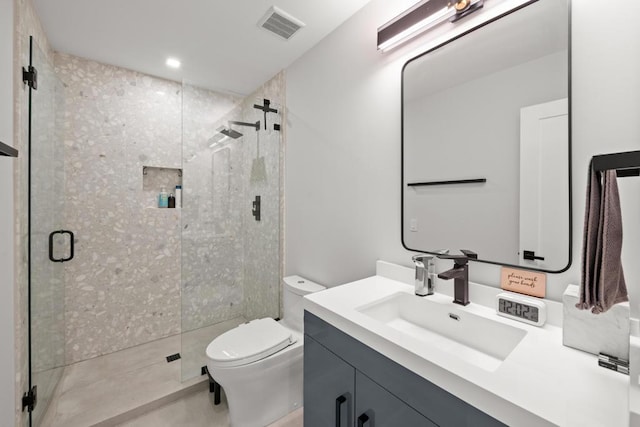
<point x="280" y="23"/>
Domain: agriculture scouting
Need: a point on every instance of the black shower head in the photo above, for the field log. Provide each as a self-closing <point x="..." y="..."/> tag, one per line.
<point x="231" y="133"/>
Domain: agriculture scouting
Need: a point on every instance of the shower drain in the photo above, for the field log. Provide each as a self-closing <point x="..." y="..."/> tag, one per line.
<point x="173" y="357"/>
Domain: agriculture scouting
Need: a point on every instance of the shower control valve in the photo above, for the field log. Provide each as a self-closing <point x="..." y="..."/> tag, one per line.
<point x="256" y="208"/>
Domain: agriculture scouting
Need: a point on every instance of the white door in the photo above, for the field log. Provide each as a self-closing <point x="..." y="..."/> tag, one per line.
<point x="544" y="184"/>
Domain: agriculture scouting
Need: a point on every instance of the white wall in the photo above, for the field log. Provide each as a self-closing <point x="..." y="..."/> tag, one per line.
<point x="7" y="372"/>
<point x="342" y="188"/>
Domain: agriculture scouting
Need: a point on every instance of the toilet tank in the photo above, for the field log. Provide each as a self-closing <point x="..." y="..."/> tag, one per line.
<point x="296" y="287"/>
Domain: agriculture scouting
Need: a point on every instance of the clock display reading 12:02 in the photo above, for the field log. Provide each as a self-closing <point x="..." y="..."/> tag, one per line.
<point x="517" y="309"/>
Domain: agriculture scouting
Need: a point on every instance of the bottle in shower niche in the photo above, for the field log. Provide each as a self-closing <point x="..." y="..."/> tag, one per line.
<point x="172" y="201"/>
<point x="178" y="194"/>
<point x="163" y="198"/>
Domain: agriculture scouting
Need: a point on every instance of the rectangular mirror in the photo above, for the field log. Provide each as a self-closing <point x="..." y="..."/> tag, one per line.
<point x="486" y="142"/>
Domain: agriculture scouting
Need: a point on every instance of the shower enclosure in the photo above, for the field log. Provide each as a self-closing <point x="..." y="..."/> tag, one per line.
<point x="107" y="269"/>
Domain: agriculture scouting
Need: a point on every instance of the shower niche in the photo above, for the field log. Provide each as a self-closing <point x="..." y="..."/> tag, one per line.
<point x="156" y="178"/>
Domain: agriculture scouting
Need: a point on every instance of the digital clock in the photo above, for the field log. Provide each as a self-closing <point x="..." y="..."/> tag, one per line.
<point x="521" y="308"/>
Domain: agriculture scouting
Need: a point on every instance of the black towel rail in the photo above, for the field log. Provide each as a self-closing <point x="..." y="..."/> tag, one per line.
<point x="625" y="163"/>
<point x="6" y="150"/>
<point x="452" y="182"/>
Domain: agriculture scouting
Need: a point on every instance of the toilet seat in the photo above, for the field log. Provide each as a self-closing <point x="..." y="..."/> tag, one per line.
<point x="249" y="342"/>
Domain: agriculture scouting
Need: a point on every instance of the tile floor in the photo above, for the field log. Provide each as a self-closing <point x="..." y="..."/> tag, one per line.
<point x="117" y="387"/>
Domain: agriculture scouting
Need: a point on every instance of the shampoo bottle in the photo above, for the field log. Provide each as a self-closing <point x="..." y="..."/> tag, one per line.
<point x="163" y="198"/>
<point x="178" y="194"/>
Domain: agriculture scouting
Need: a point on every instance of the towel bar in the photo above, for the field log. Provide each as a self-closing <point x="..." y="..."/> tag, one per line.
<point x="625" y="163"/>
<point x="456" y="181"/>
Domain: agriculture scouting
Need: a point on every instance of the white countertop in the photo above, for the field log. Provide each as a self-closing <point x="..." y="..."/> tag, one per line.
<point x="541" y="382"/>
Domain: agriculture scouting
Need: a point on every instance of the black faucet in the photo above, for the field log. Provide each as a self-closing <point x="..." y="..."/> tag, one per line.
<point x="460" y="274"/>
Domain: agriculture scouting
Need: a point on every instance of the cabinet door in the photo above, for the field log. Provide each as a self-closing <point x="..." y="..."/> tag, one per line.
<point x="376" y="407"/>
<point x="329" y="384"/>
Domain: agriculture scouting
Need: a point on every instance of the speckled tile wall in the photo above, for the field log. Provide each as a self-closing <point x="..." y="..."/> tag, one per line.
<point x="261" y="174"/>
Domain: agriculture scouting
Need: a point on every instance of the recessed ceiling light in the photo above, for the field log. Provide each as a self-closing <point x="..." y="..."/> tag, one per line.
<point x="173" y="63"/>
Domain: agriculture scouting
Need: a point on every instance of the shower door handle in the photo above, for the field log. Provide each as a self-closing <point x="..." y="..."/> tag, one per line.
<point x="71" y="244"/>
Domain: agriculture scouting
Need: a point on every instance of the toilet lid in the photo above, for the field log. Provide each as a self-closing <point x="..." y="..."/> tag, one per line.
<point x="249" y="342"/>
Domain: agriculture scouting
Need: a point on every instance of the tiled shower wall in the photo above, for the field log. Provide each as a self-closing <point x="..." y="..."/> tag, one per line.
<point x="123" y="287"/>
<point x="263" y="171"/>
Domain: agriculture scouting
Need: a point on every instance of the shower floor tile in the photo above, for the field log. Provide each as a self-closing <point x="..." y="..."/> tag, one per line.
<point x="114" y="388"/>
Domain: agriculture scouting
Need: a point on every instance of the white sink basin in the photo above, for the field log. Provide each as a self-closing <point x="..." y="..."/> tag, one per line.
<point x="480" y="341"/>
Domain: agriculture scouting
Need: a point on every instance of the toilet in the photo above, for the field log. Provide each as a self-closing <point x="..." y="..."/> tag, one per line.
<point x="259" y="363"/>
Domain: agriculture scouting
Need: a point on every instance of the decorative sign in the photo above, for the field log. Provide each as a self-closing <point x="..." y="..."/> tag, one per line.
<point x="524" y="282"/>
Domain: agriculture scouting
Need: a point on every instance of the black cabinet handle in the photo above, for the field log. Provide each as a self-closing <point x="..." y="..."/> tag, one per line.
<point x="339" y="401"/>
<point x="362" y="419"/>
<point x="71" y="244"/>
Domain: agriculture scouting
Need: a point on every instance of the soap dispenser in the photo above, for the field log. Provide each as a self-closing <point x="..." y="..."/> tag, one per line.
<point x="163" y="198"/>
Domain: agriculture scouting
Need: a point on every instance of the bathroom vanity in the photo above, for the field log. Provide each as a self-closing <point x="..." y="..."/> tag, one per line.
<point x="377" y="355"/>
<point x="344" y="378"/>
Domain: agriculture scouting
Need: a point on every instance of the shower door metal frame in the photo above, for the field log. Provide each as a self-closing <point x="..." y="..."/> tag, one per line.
<point x="30" y="397"/>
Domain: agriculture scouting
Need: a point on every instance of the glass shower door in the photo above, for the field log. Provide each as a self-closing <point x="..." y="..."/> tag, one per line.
<point x="49" y="245"/>
<point x="231" y="215"/>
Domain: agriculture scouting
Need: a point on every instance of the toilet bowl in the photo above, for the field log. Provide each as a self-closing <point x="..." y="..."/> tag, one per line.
<point x="259" y="363"/>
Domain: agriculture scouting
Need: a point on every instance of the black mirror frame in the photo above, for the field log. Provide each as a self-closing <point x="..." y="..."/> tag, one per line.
<point x="569" y="96"/>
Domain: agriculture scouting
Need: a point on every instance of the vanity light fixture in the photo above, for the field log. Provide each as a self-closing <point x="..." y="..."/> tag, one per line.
<point x="173" y="63"/>
<point x="421" y="17"/>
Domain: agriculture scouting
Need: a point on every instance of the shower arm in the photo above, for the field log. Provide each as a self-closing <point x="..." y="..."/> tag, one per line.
<point x="255" y="125"/>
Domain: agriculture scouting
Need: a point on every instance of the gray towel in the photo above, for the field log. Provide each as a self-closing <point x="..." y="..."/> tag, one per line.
<point x="603" y="282"/>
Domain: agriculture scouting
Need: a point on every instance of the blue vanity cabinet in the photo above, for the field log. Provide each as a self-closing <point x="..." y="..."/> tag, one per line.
<point x="329" y="387"/>
<point x="375" y="406"/>
<point x="387" y="393"/>
<point x="336" y="394"/>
